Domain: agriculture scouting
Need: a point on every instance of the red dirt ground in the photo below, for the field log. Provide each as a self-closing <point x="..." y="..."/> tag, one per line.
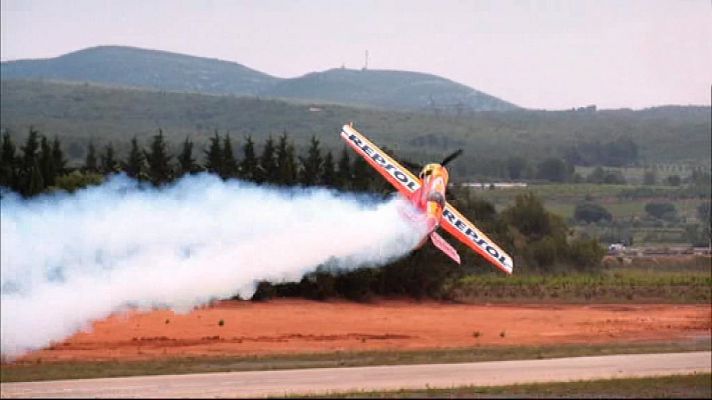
<point x="298" y="326"/>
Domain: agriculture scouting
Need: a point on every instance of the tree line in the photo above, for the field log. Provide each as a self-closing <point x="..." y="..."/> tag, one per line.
<point x="40" y="165"/>
<point x="36" y="168"/>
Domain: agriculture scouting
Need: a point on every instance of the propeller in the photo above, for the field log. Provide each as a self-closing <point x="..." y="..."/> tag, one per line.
<point x="451" y="157"/>
<point x="418" y="167"/>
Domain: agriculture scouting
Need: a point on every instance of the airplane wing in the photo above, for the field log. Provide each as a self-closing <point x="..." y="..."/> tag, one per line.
<point x="465" y="231"/>
<point x="396" y="174"/>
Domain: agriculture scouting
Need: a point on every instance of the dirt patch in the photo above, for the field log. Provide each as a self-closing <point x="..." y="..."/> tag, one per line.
<point x="299" y="326"/>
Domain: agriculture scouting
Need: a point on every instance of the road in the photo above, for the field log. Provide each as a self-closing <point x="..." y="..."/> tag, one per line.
<point x="325" y="380"/>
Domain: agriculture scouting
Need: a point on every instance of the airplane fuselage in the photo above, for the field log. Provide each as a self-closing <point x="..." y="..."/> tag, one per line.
<point x="430" y="197"/>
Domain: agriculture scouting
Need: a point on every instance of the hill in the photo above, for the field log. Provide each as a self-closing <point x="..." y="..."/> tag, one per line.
<point x="127" y="66"/>
<point x="160" y="70"/>
<point x="389" y="90"/>
<point x="77" y="112"/>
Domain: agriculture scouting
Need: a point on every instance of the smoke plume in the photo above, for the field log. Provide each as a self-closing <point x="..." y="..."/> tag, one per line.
<point x="69" y="259"/>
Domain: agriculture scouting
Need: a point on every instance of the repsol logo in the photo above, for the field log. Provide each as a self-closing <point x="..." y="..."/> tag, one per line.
<point x="380" y="160"/>
<point x="472" y="235"/>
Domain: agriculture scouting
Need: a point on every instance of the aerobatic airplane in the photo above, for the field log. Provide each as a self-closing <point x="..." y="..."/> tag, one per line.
<point x="427" y="193"/>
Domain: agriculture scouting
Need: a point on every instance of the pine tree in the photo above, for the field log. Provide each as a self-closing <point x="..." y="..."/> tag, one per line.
<point x="230" y="166"/>
<point x="90" y="164"/>
<point x="60" y="163"/>
<point x="46" y="162"/>
<point x="109" y="164"/>
<point x="35" y="183"/>
<point x="248" y="166"/>
<point x="328" y="173"/>
<point x="286" y="163"/>
<point x="30" y="149"/>
<point x="8" y="162"/>
<point x="311" y="169"/>
<point x="361" y="175"/>
<point x="344" y="176"/>
<point x="186" y="162"/>
<point x="214" y="156"/>
<point x="135" y="165"/>
<point x="159" y="161"/>
<point x="30" y="179"/>
<point x="268" y="171"/>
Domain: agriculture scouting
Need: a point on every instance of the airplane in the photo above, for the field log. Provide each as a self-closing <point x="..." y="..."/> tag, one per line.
<point x="427" y="193"/>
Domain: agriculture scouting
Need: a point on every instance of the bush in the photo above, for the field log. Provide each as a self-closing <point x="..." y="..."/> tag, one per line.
<point x="585" y="254"/>
<point x="650" y="178"/>
<point x="555" y="170"/>
<point x="591" y="212"/>
<point x="77" y="180"/>
<point x="660" y="210"/>
<point x="600" y="175"/>
<point x="530" y="218"/>
<point x="544" y="252"/>
<point x="265" y="291"/>
<point x="674" y="180"/>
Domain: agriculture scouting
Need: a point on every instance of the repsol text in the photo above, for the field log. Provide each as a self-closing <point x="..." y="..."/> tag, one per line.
<point x="476" y="239"/>
<point x="373" y="154"/>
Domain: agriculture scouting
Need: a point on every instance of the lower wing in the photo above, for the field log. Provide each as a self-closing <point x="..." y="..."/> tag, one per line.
<point x="465" y="231"/>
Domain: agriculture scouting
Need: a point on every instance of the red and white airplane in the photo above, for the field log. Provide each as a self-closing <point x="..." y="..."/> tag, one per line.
<point x="427" y="193"/>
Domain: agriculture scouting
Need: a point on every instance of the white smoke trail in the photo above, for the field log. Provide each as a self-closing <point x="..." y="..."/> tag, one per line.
<point x="70" y="259"/>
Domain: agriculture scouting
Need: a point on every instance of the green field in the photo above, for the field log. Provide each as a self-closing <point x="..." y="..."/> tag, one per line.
<point x="625" y="203"/>
<point x="691" y="283"/>
<point x="562" y="198"/>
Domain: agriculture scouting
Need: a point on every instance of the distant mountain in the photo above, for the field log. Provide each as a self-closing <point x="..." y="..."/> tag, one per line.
<point x="128" y="66"/>
<point x="387" y="89"/>
<point x="160" y="70"/>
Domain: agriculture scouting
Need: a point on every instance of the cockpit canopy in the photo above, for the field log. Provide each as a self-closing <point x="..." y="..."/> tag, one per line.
<point x="428" y="170"/>
<point x="433" y="169"/>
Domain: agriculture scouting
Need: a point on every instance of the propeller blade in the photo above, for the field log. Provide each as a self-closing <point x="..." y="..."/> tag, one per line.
<point x="451" y="157"/>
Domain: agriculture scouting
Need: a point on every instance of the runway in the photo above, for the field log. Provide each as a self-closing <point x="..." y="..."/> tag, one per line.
<point x="325" y="380"/>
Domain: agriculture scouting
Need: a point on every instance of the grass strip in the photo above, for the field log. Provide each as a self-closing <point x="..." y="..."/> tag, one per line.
<point x="25" y="372"/>
<point x="695" y="386"/>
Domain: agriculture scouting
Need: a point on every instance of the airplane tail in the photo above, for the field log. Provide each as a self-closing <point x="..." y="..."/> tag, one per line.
<point x="446" y="248"/>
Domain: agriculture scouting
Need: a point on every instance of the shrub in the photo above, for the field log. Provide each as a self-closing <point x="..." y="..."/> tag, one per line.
<point x="554" y="169"/>
<point x="77" y="180"/>
<point x="650" y="178"/>
<point x="585" y="254"/>
<point x="660" y="210"/>
<point x="529" y="216"/>
<point x="674" y="180"/>
<point x="600" y="175"/>
<point x="544" y="252"/>
<point x="591" y="212"/>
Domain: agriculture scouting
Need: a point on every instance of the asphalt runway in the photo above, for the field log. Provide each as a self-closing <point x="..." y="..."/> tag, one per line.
<point x="325" y="380"/>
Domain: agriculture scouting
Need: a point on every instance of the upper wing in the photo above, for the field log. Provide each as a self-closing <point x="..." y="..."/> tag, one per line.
<point x="464" y="230"/>
<point x="397" y="175"/>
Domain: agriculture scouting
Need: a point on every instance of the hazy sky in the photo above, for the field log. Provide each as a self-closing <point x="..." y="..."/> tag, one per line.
<point x="538" y="54"/>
